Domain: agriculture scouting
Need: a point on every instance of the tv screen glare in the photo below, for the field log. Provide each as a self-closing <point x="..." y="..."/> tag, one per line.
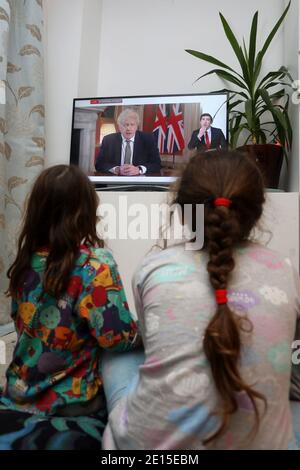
<point x="164" y="135"/>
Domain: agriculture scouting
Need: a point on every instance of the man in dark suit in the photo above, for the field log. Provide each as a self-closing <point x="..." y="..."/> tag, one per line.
<point x="207" y="137"/>
<point x="129" y="152"/>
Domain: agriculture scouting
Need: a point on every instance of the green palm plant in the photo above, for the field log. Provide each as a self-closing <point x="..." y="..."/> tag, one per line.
<point x="254" y="101"/>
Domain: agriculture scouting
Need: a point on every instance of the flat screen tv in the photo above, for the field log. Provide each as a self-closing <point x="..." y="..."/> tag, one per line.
<point x="150" y="136"/>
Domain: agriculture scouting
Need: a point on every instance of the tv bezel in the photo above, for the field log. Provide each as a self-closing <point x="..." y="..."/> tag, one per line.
<point x="119" y="182"/>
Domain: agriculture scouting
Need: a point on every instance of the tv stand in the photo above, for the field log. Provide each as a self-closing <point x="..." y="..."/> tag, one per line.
<point x="132" y="187"/>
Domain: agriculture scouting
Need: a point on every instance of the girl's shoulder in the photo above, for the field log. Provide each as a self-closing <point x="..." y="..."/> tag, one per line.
<point x="264" y="256"/>
<point x="173" y="254"/>
<point x="93" y="255"/>
<point x="169" y="259"/>
<point x="103" y="255"/>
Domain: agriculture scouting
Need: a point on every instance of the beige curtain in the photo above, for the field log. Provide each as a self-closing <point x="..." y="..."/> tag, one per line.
<point x="22" y="139"/>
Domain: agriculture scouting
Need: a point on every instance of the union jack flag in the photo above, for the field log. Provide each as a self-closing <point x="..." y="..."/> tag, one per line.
<point x="160" y="127"/>
<point x="175" y="135"/>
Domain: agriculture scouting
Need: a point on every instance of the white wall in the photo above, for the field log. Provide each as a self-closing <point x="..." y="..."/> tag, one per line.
<point x="151" y="58"/>
<point x="90" y="48"/>
<point x="63" y="38"/>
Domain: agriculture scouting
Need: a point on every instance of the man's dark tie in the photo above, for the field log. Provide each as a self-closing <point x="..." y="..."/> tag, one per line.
<point x="127" y="159"/>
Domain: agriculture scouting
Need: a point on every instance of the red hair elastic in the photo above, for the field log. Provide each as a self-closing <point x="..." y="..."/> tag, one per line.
<point x="222" y="201"/>
<point x="221" y="296"/>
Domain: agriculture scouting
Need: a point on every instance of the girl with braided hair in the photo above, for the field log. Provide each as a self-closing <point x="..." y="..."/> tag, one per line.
<point x="218" y="326"/>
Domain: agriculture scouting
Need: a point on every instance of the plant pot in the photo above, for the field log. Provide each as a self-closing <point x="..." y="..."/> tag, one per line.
<point x="268" y="158"/>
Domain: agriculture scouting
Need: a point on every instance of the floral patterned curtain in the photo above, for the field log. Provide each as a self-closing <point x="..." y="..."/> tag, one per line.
<point x="22" y="141"/>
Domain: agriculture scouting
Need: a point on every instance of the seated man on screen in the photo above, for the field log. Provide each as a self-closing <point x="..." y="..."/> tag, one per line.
<point x="207" y="137"/>
<point x="129" y="152"/>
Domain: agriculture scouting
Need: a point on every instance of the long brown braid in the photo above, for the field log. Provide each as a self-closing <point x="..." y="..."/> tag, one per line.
<point x="233" y="176"/>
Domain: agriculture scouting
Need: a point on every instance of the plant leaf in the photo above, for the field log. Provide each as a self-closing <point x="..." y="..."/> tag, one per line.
<point x="11" y="68"/>
<point x="14" y="182"/>
<point x="256" y="70"/>
<point x="226" y="76"/>
<point x="241" y="93"/>
<point x="25" y="91"/>
<point x="246" y="54"/>
<point x="28" y="49"/>
<point x="234" y="122"/>
<point x="39" y="108"/>
<point x="221" y="105"/>
<point x="280" y="73"/>
<point x="269" y="39"/>
<point x="230" y="78"/>
<point x="235" y="136"/>
<point x="257" y="103"/>
<point x="231" y="92"/>
<point x="232" y="105"/>
<point x="252" y="43"/>
<point x="272" y="85"/>
<point x="249" y="113"/>
<point x="278" y="94"/>
<point x="286" y="84"/>
<point x="289" y="126"/>
<point x="236" y="48"/>
<point x="262" y="136"/>
<point x="218" y="92"/>
<point x="209" y="58"/>
<point x="267" y="122"/>
<point x="35" y="31"/>
<point x="281" y="120"/>
<point x="34" y="161"/>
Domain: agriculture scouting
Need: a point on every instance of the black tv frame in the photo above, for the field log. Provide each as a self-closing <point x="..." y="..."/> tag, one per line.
<point x="140" y="183"/>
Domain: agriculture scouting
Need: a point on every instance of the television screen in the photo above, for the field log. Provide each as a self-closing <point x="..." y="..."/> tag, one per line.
<point x="144" y="139"/>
